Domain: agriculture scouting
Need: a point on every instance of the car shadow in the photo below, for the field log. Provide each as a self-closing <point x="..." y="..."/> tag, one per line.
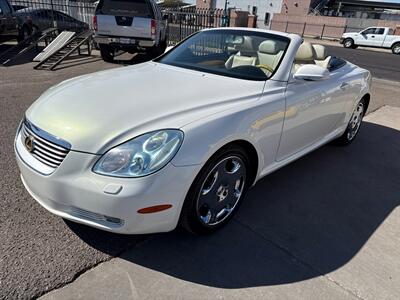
<point x="304" y="220"/>
<point x="132" y="59"/>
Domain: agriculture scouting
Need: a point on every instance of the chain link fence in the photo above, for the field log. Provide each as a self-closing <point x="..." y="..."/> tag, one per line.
<point x="184" y="22"/>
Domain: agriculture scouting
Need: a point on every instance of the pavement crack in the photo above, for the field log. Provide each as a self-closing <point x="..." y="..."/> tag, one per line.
<point x="88" y="268"/>
<point x="297" y="259"/>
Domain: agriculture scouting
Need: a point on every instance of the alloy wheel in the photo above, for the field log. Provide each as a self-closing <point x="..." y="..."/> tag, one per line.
<point x="355" y="121"/>
<point x="221" y="190"/>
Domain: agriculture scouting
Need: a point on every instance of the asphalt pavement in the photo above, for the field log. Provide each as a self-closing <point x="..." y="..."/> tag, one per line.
<point x="40" y="252"/>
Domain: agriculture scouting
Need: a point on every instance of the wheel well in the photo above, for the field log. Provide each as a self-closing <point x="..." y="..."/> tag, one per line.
<point x="253" y="155"/>
<point x="395" y="43"/>
<point x="366" y="97"/>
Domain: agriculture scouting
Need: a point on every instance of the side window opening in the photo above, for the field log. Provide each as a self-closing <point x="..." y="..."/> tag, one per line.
<point x="134" y="8"/>
<point x="369" y="31"/>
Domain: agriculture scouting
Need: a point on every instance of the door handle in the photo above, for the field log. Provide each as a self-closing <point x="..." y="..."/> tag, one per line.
<point x="344" y="85"/>
<point x="372" y="36"/>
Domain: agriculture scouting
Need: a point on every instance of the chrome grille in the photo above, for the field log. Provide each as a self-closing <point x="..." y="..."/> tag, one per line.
<point x="46" y="148"/>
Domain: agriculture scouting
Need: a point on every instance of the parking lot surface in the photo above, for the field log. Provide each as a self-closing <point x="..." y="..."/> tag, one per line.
<point x="326" y="225"/>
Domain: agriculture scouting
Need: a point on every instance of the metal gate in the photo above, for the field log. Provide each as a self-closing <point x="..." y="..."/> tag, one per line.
<point x="182" y="23"/>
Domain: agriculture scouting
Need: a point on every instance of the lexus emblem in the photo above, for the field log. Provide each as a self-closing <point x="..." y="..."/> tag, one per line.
<point x="29" y="143"/>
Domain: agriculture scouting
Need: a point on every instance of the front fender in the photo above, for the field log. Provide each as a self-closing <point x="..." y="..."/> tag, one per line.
<point x="203" y="139"/>
<point x="256" y="121"/>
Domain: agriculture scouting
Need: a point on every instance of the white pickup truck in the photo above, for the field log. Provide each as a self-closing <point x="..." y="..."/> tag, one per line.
<point x="379" y="37"/>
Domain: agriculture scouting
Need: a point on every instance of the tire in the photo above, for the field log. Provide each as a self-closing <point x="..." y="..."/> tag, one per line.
<point x="155" y="51"/>
<point x="107" y="53"/>
<point x="217" y="191"/>
<point x="354" y="125"/>
<point x="159" y="49"/>
<point x="348" y="43"/>
<point x="396" y="48"/>
<point x="163" y="46"/>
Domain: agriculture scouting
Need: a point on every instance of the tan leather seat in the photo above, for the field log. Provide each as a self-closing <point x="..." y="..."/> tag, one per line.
<point x="245" y="55"/>
<point x="305" y="55"/>
<point x="322" y="59"/>
<point x="269" y="54"/>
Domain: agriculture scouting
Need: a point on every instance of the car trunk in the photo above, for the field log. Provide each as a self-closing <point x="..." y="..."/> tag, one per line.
<point x="125" y="18"/>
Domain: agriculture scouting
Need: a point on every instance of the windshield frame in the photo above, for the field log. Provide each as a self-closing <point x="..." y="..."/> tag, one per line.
<point x="229" y="31"/>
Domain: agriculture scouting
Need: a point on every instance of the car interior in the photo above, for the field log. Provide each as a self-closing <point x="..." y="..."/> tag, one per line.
<point x="269" y="53"/>
<point x="248" y="56"/>
<point x="256" y="52"/>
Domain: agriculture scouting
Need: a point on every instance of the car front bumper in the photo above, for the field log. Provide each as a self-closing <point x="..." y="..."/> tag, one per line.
<point x="124" y="42"/>
<point x="75" y="193"/>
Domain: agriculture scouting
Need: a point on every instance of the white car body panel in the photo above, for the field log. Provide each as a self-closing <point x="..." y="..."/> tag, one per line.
<point x="140" y="28"/>
<point x="282" y="118"/>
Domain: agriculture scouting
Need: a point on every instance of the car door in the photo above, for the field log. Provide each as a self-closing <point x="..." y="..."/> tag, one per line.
<point x="367" y="37"/>
<point x="376" y="39"/>
<point x="312" y="110"/>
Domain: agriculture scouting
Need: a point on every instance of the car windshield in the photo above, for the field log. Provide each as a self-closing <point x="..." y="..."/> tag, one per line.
<point x="244" y="54"/>
<point x="131" y="8"/>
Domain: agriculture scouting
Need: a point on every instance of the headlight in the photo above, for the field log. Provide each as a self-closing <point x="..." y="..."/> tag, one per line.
<point x="140" y="156"/>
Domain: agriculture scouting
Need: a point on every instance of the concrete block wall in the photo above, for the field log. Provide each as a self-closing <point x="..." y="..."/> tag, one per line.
<point x="330" y="27"/>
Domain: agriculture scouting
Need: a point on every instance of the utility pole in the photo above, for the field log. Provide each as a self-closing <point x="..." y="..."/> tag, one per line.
<point x="225" y="19"/>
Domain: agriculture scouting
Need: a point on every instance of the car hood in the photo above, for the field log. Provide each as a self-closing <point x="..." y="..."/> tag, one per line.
<point x="97" y="111"/>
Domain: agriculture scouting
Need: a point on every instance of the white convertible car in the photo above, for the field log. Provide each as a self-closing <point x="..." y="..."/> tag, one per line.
<point x="181" y="139"/>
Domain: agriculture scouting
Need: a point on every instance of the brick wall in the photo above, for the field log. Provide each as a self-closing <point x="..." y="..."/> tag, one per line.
<point x="204" y="4"/>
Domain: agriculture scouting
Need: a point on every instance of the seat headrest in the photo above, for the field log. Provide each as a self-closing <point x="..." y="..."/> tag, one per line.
<point x="306" y="53"/>
<point x="320" y="51"/>
<point x="268" y="47"/>
<point x="246" y="48"/>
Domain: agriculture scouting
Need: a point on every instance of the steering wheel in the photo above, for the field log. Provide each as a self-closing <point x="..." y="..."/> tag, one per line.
<point x="268" y="68"/>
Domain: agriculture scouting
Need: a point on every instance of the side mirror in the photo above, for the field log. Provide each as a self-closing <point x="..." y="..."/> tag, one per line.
<point x="311" y="72"/>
